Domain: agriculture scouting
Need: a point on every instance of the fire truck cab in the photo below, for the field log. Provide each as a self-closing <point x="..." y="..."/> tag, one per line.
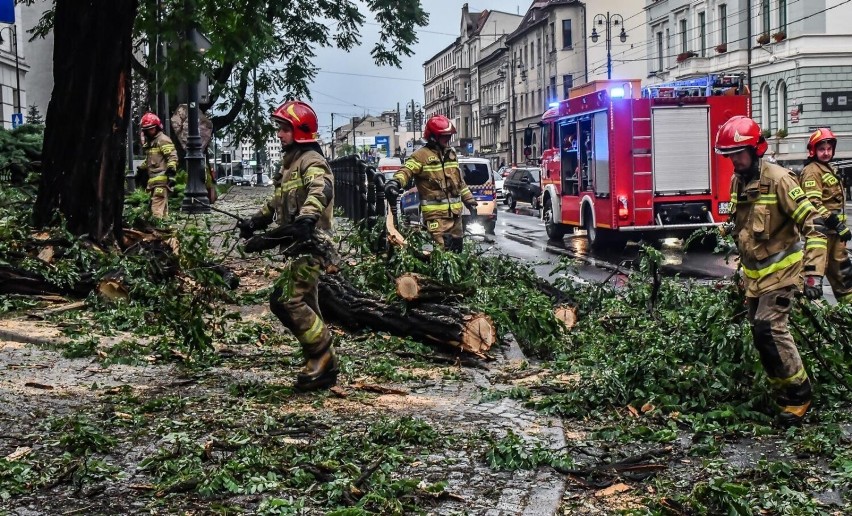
<point x="626" y="164"/>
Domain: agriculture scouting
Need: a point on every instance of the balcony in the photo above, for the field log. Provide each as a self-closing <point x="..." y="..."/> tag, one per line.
<point x="491" y="112"/>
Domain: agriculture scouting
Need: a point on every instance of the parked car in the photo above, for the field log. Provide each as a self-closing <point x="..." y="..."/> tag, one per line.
<point x="479" y="177"/>
<point x="498" y="187"/>
<point x="265" y="180"/>
<point x="524" y="185"/>
<point x="504" y="171"/>
<point x="234" y="180"/>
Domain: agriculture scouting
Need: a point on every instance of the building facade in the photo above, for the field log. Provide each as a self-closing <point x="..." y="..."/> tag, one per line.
<point x="794" y="55"/>
<point x="13" y="70"/>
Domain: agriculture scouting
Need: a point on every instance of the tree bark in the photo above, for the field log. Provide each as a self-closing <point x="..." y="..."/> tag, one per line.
<point x="86" y="125"/>
<point x="429" y="323"/>
<point x="416" y="287"/>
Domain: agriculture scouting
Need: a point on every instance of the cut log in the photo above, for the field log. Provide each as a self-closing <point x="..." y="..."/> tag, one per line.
<point x="394" y="236"/>
<point x="429" y="323"/>
<point x="567" y="314"/>
<point x="416" y="287"/>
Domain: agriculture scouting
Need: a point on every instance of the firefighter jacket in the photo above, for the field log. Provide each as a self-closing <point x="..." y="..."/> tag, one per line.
<point x="303" y="187"/>
<point x="439" y="183"/>
<point x="161" y="160"/>
<point x="824" y="188"/>
<point x="768" y="213"/>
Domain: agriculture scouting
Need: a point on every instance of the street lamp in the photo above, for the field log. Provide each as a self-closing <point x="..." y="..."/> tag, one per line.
<point x="501" y="74"/>
<point x="195" y="196"/>
<point x="609" y="21"/>
<point x="13" y="31"/>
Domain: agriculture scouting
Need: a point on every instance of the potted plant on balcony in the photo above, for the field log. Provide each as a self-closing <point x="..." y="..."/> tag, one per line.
<point x="782" y="133"/>
<point x="779" y="36"/>
<point x="721" y="48"/>
<point x="766" y="133"/>
<point x="763" y="39"/>
<point x="683" y="56"/>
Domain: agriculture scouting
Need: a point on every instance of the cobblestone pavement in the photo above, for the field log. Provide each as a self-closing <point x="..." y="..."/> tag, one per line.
<point x="452" y="404"/>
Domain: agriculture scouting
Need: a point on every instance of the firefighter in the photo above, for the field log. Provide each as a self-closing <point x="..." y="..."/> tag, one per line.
<point x="768" y="212"/>
<point x="302" y="206"/>
<point x="824" y="187"/>
<point x="160" y="165"/>
<point x="439" y="181"/>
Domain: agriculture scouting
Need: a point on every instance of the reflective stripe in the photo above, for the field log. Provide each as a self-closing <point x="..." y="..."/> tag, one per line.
<point x="464" y="191"/>
<point x="313" y="334"/>
<point x="814" y="193"/>
<point x="767" y="199"/>
<point x="439" y="201"/>
<point x="816" y="243"/>
<point x="775" y="263"/>
<point x="291" y="185"/>
<point x="311" y="173"/>
<point x="797" y="379"/>
<point x="313" y="201"/>
<point x="802" y="211"/>
<point x="441" y="207"/>
<point x="796" y="410"/>
<point x="161" y="177"/>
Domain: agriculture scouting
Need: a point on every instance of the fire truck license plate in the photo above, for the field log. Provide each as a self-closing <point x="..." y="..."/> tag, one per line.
<point x="724" y="208"/>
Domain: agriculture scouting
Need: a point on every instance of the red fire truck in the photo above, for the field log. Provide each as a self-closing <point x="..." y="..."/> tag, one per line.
<point x="638" y="165"/>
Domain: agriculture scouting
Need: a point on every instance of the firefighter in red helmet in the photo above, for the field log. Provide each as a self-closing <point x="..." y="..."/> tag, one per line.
<point x="440" y="184"/>
<point x="160" y="166"/>
<point x="824" y="187"/>
<point x="301" y="206"/>
<point x="769" y="213"/>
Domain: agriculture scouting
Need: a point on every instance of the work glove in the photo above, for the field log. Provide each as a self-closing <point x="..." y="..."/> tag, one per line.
<point x="843" y="233"/>
<point x="171" y="184"/>
<point x="270" y="239"/>
<point x="303" y="228"/>
<point x="392" y="189"/>
<point x="726" y="229"/>
<point x="813" y="287"/>
<point x="246" y="227"/>
<point x="471" y="207"/>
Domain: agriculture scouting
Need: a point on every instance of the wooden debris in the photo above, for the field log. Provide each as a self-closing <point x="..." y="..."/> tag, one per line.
<point x="416" y="287"/>
<point x="380" y="389"/>
<point x="567" y="315"/>
<point x="19" y="453"/>
<point x="36" y="385"/>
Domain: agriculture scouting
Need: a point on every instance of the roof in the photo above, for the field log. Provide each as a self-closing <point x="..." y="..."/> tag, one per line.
<point x="537" y="14"/>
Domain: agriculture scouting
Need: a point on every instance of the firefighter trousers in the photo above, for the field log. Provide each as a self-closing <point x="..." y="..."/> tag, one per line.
<point x="159" y="200"/>
<point x="447" y="232"/>
<point x="838" y="270"/>
<point x="294" y="301"/>
<point x="769" y="317"/>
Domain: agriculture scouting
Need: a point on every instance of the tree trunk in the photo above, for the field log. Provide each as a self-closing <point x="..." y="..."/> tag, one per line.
<point x="429" y="323"/>
<point x="416" y="287"/>
<point x="86" y="126"/>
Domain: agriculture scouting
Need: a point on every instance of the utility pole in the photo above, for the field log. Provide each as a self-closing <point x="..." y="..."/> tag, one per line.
<point x="512" y="146"/>
<point x="332" y="136"/>
<point x="413" y="120"/>
<point x="195" y="196"/>
<point x="259" y="177"/>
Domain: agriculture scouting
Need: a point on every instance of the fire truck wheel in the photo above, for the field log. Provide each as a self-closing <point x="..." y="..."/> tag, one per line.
<point x="555" y="231"/>
<point x="602" y="238"/>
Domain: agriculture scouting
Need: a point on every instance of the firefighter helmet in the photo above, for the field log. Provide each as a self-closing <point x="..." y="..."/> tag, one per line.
<point x="150" y="121"/>
<point x="738" y="133"/>
<point x="302" y="117"/>
<point x="822" y="134"/>
<point x="438" y="125"/>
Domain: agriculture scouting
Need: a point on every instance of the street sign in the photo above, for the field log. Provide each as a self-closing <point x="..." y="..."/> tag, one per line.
<point x="470" y="147"/>
<point x="409" y="145"/>
<point x="383" y="145"/>
<point x="17" y="120"/>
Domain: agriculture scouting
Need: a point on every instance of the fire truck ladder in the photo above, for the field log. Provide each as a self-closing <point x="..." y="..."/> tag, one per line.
<point x="643" y="181"/>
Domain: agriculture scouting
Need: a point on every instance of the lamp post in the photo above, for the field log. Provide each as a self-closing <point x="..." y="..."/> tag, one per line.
<point x="13" y="31"/>
<point x="608" y="21"/>
<point x="513" y="151"/>
<point x="195" y="196"/>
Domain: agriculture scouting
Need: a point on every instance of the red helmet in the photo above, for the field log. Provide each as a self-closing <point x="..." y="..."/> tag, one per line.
<point x="822" y="134"/>
<point x="149" y="121"/>
<point x="438" y="125"/>
<point x="302" y="117"/>
<point x="738" y="133"/>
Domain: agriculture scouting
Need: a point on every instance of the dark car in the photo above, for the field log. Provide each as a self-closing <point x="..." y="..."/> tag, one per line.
<point x="234" y="180"/>
<point x="523" y="185"/>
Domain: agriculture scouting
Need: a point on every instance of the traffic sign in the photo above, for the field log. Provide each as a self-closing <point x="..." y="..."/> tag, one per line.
<point x="17" y="120"/>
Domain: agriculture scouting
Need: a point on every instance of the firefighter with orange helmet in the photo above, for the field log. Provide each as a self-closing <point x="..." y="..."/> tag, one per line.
<point x="302" y="206"/>
<point x="160" y="165"/>
<point x="770" y="212"/>
<point x="824" y="187"/>
<point x="440" y="184"/>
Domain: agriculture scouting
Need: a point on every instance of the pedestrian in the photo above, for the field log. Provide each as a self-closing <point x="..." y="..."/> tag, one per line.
<point x="824" y="187"/>
<point x="440" y="184"/>
<point x="302" y="205"/>
<point x="770" y="212"/>
<point x="160" y="165"/>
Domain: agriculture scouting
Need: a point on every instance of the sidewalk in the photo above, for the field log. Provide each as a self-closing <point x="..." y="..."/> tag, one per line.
<point x="458" y="402"/>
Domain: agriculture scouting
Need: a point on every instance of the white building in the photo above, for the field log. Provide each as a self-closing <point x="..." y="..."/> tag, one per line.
<point x="795" y="55"/>
<point x="13" y="70"/>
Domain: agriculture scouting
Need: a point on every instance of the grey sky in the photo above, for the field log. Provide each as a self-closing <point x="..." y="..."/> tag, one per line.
<point x="343" y="86"/>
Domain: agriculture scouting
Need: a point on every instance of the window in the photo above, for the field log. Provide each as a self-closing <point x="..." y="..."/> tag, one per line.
<point x="764" y="107"/>
<point x="782" y="105"/>
<point x="466" y="127"/>
<point x="660" y="51"/>
<point x="767" y="23"/>
<point x="683" y="42"/>
<point x="567" y="84"/>
<point x="782" y="16"/>
<point x="566" y="34"/>
<point x="702" y="33"/>
<point x="723" y="24"/>
<point x="552" y="37"/>
<point x="538" y="50"/>
<point x="551" y="94"/>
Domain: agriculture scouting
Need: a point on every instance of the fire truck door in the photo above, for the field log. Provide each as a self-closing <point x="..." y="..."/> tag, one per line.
<point x="601" y="154"/>
<point x="586" y="154"/>
<point x="568" y="158"/>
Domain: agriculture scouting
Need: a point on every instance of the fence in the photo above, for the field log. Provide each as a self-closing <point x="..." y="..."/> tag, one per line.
<point x="359" y="191"/>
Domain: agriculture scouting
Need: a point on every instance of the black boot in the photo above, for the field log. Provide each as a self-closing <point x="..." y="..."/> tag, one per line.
<point x="794" y="402"/>
<point x="320" y="372"/>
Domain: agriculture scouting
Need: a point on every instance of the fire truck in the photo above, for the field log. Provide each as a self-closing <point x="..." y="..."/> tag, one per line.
<point x="627" y="163"/>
